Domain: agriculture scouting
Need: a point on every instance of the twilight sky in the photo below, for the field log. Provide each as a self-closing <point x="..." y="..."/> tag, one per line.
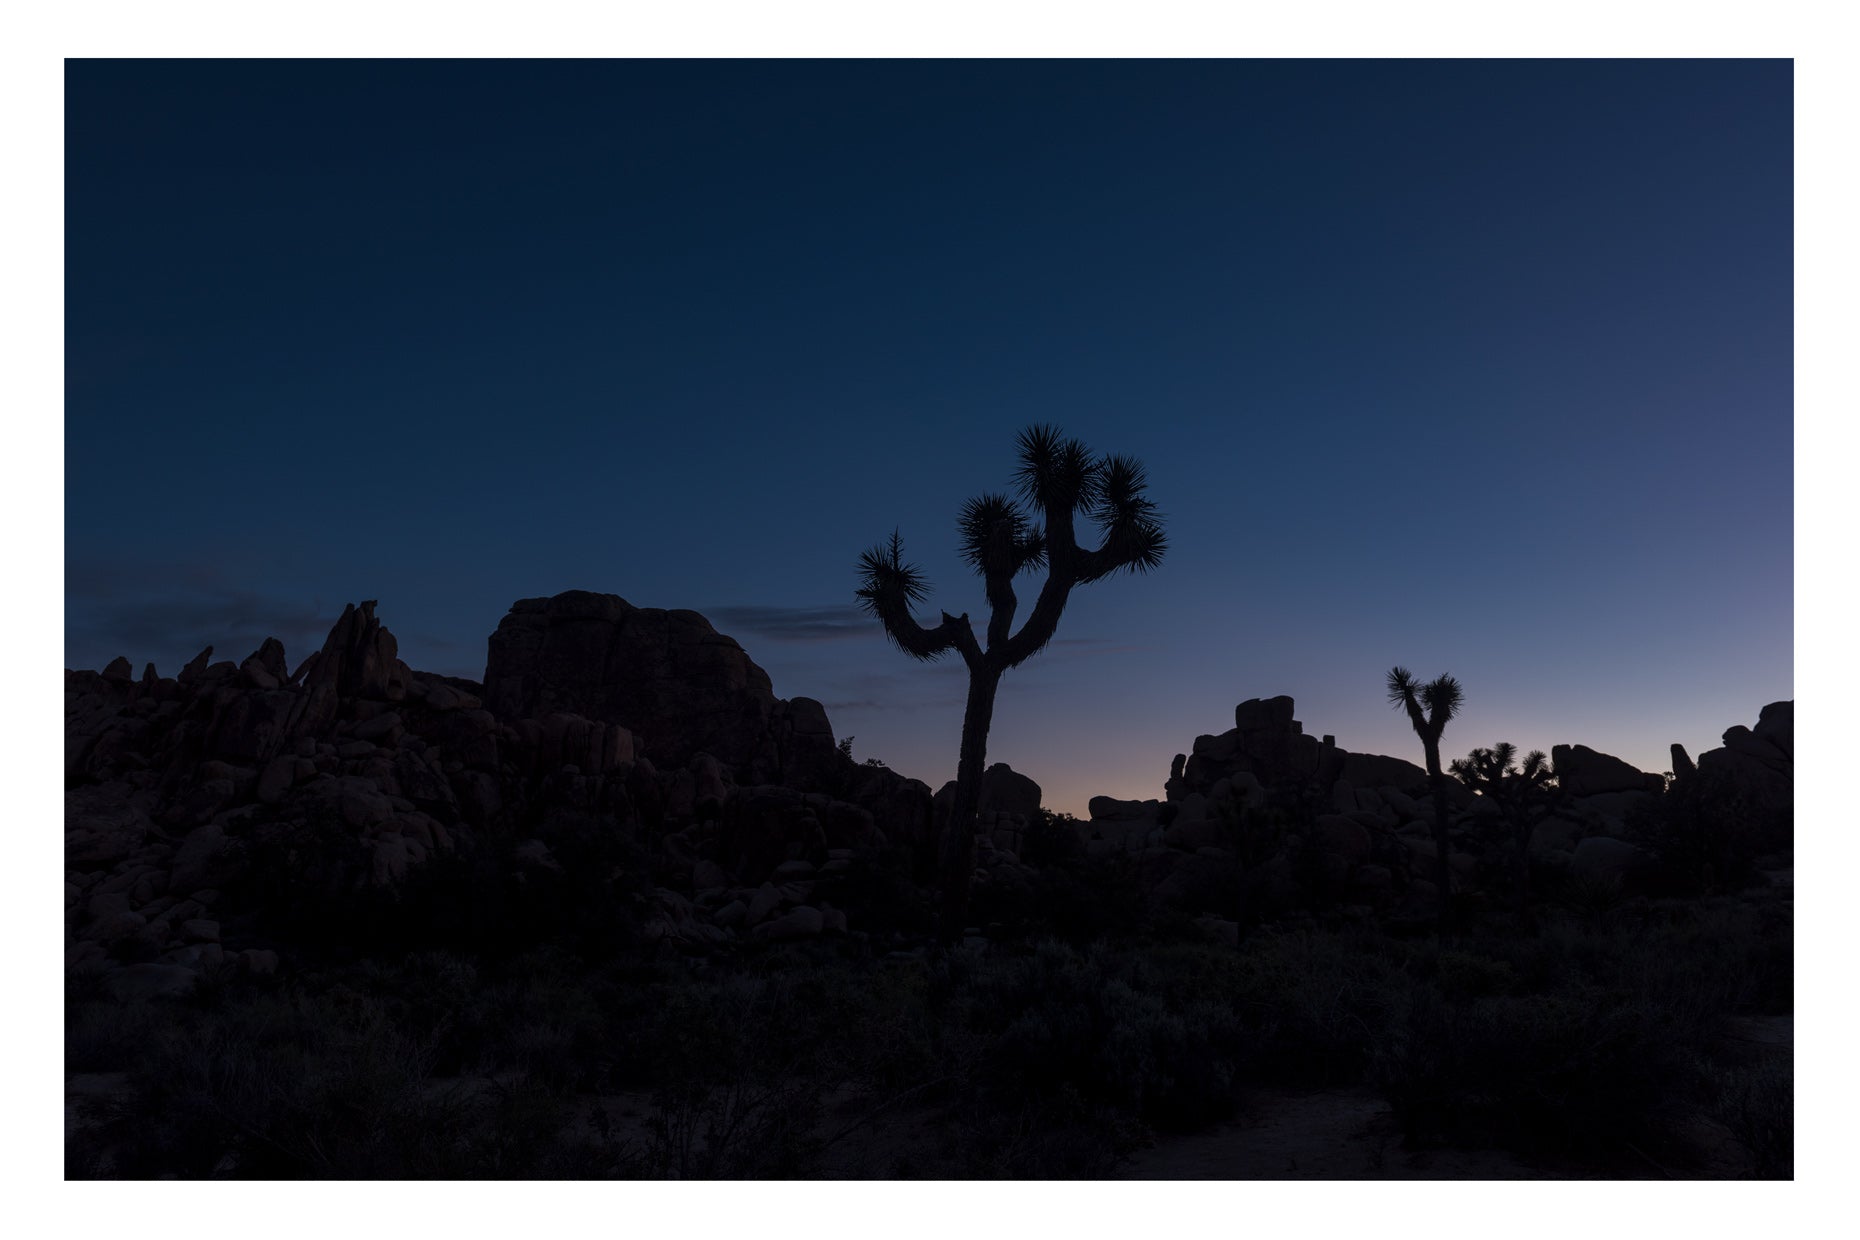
<point x="1481" y="367"/>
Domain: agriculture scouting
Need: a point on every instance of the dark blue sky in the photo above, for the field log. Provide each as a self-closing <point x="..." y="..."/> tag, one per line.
<point x="1481" y="367"/>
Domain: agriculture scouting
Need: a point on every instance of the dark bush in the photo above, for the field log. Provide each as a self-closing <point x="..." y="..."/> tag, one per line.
<point x="877" y="894"/>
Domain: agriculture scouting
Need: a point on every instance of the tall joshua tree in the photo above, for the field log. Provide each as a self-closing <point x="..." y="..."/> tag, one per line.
<point x="1441" y="699"/>
<point x="1058" y="480"/>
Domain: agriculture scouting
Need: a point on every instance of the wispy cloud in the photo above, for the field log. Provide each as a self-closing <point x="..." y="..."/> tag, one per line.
<point x="150" y="612"/>
<point x="829" y="623"/>
<point x="923" y="686"/>
<point x="859" y="705"/>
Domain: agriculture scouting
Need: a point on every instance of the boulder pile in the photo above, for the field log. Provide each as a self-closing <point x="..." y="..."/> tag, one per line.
<point x="1746" y="788"/>
<point x="354" y="771"/>
<point x="195" y="803"/>
<point x="1268" y="800"/>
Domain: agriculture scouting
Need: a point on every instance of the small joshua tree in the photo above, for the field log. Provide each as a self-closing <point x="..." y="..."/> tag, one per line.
<point x="1441" y="697"/>
<point x="1524" y="796"/>
<point x="1059" y="479"/>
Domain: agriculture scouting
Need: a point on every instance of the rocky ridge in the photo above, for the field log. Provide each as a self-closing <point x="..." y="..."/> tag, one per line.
<point x="354" y="771"/>
<point x="1265" y="805"/>
<point x="188" y="795"/>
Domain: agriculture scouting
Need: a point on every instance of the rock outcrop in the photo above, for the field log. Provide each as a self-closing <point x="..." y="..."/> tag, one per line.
<point x="1582" y="772"/>
<point x="677" y="684"/>
<point x="197" y="803"/>
<point x="1746" y="788"/>
<point x="354" y="771"/>
<point x="1250" y="807"/>
<point x="1245" y="808"/>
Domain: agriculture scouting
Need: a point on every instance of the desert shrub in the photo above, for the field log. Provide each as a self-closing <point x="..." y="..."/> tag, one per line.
<point x="1058" y="1019"/>
<point x="1598" y="1032"/>
<point x="102" y="1035"/>
<point x="1464" y="973"/>
<point x="763" y="1129"/>
<point x="1089" y="900"/>
<point x="1172" y="1033"/>
<point x="1540" y="1073"/>
<point x="1065" y="1137"/>
<point x="1053" y="839"/>
<point x="878" y="894"/>
<point x="1045" y="1057"/>
<point x="1313" y="1004"/>
<point x="1710" y="843"/>
<point x="322" y="1085"/>
<point x="1757" y="1103"/>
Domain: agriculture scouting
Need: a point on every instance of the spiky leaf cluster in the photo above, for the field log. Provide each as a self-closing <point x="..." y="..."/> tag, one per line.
<point x="1057" y="472"/>
<point x="1430" y="706"/>
<point x="1059" y="476"/>
<point x="1497" y="768"/>
<point x="888" y="586"/>
<point x="883" y="575"/>
<point x="1133" y="535"/>
<point x="997" y="539"/>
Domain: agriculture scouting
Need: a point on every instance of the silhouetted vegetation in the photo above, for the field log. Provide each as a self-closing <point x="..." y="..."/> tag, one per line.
<point x="617" y="971"/>
<point x="1061" y="480"/>
<point x="1601" y="1043"/>
<point x="1441" y="697"/>
<point x="1525" y="795"/>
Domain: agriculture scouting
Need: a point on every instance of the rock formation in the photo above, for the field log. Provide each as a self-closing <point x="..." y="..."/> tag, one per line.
<point x="195" y="803"/>
<point x="1265" y="798"/>
<point x="354" y="771"/>
<point x="1746" y="788"/>
<point x="677" y="684"/>
<point x="1582" y="772"/>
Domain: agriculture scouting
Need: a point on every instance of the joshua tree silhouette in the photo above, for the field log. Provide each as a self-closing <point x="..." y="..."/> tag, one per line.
<point x="1060" y="479"/>
<point x="1524" y="795"/>
<point x="1441" y="697"/>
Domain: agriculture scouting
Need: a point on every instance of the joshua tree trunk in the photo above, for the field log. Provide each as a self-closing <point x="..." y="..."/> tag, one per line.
<point x="1441" y="697"/>
<point x="1443" y="839"/>
<point x="957" y="846"/>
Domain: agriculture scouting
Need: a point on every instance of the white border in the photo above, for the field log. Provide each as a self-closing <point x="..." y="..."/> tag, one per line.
<point x="36" y="39"/>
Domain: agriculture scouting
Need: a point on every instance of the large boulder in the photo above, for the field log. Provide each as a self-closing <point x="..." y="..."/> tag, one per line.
<point x="1265" y="714"/>
<point x="1374" y="770"/>
<point x="1748" y="785"/>
<point x="1004" y="791"/>
<point x="1581" y="772"/>
<point x="1103" y="809"/>
<point x="1007" y="791"/>
<point x="1776" y="724"/>
<point x="679" y="686"/>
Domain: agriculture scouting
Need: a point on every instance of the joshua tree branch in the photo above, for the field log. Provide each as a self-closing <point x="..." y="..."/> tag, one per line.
<point x="1001" y="607"/>
<point x="963" y="638"/>
<point x="922" y="643"/>
<point x="1040" y="625"/>
<point x="1137" y="548"/>
<point x="1415" y="716"/>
